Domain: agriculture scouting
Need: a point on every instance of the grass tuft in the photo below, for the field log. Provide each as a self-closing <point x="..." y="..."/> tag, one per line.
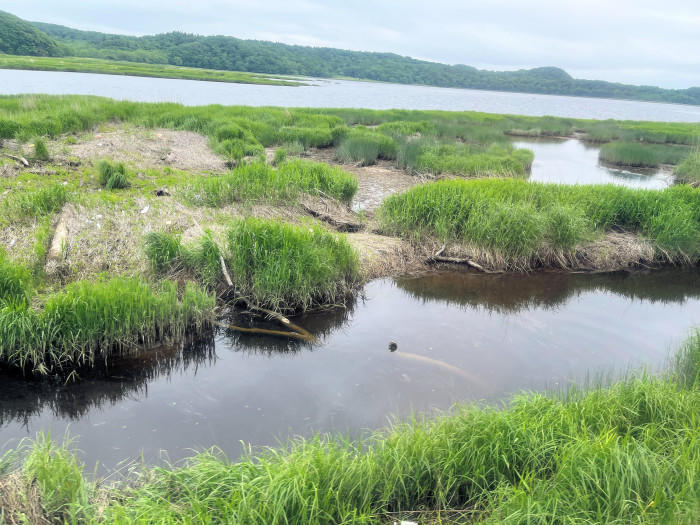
<point x="112" y="175"/>
<point x="642" y="155"/>
<point x="286" y="267"/>
<point x="41" y="152"/>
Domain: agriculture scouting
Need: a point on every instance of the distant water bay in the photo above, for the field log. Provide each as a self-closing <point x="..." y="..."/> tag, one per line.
<point x="338" y="93"/>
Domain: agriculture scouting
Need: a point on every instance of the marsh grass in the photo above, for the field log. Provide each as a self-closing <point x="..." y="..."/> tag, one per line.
<point x="34" y="203"/>
<point x="258" y="181"/>
<point x="287" y="267"/>
<point x="625" y="453"/>
<point x="518" y="220"/>
<point x="41" y="152"/>
<point x="112" y="175"/>
<point x="15" y="282"/>
<point x="642" y="155"/>
<point x="279" y="157"/>
<point x="688" y="171"/>
<point x="91" y="320"/>
<point x="201" y="258"/>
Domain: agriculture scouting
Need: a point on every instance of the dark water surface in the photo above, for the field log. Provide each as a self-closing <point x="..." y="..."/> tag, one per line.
<point x="460" y="336"/>
<point x="338" y="93"/>
<point x="570" y="161"/>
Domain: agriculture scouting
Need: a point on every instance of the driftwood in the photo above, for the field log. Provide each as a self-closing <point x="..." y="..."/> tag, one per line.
<point x="342" y="226"/>
<point x="21" y="160"/>
<point x="225" y="271"/>
<point x="438" y="257"/>
<point x="264" y="331"/>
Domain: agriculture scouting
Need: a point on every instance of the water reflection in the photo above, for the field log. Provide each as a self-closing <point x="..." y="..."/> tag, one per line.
<point x="512" y="293"/>
<point x="571" y="161"/>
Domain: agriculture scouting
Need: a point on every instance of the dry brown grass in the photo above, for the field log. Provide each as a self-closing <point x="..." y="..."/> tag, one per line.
<point x="20" y="501"/>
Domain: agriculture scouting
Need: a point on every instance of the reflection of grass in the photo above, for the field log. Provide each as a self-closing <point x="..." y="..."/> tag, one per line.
<point x="623" y="454"/>
<point x="120" y="67"/>
<point x="642" y="155"/>
<point x="518" y="219"/>
<point x="513" y="293"/>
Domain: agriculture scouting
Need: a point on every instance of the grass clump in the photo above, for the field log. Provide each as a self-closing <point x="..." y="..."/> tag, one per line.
<point x="366" y="147"/>
<point x="688" y="171"/>
<point x="627" y="453"/>
<point x="162" y="249"/>
<point x="41" y="152"/>
<point x="520" y="221"/>
<point x="59" y="475"/>
<point x="112" y="175"/>
<point x="88" y="321"/>
<point x="641" y="155"/>
<point x="258" y="181"/>
<point x="286" y="267"/>
<point x="167" y="253"/>
<point x="279" y="157"/>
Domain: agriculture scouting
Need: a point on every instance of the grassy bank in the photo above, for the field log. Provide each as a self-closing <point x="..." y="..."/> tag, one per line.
<point x="642" y="155"/>
<point x="88" y="321"/>
<point x="136" y="69"/>
<point x="272" y="264"/>
<point x="520" y="222"/>
<point x="622" y="454"/>
<point x="688" y="171"/>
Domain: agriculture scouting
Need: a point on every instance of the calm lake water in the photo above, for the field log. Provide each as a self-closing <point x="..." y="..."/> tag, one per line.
<point x="460" y="336"/>
<point x="570" y="161"/>
<point x="338" y="93"/>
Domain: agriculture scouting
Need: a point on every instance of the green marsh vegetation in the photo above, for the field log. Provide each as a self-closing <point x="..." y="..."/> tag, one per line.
<point x="519" y="221"/>
<point x="112" y="175"/>
<point x="642" y="155"/>
<point x="274" y="265"/>
<point x="258" y="181"/>
<point x="61" y="332"/>
<point x="624" y="453"/>
<point x="136" y="69"/>
<point x="688" y="171"/>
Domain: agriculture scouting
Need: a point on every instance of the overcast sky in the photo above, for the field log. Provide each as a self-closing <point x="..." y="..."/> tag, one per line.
<point x="636" y="42"/>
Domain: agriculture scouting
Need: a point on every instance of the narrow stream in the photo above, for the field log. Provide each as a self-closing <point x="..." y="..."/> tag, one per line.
<point x="460" y="336"/>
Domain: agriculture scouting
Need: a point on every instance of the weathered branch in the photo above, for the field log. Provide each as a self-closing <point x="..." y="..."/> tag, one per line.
<point x="438" y="257"/>
<point x="21" y="160"/>
<point x="342" y="226"/>
<point x="225" y="272"/>
<point x="265" y="331"/>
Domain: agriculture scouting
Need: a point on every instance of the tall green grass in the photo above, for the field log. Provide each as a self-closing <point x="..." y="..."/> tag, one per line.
<point x="41" y="152"/>
<point x="258" y="181"/>
<point x="627" y="453"/>
<point x="286" y="267"/>
<point x="642" y="155"/>
<point x="202" y="258"/>
<point x="365" y="146"/>
<point x="15" y="282"/>
<point x="688" y="171"/>
<point x="88" y="321"/>
<point x="518" y="220"/>
<point x="34" y="203"/>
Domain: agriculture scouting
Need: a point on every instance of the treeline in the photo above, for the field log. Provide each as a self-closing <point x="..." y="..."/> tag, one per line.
<point x="18" y="37"/>
<point x="233" y="54"/>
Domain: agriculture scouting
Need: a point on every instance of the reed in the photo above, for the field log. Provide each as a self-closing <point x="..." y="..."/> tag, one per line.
<point x="688" y="171"/>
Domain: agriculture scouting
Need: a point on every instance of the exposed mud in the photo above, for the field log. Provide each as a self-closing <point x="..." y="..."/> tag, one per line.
<point x="183" y="150"/>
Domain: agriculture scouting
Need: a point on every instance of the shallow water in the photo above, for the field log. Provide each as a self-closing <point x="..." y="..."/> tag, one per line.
<point x="460" y="337"/>
<point x="570" y="161"/>
<point x="338" y="93"/>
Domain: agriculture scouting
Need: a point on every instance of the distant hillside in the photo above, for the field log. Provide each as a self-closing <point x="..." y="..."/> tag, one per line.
<point x="18" y="37"/>
<point x="233" y="54"/>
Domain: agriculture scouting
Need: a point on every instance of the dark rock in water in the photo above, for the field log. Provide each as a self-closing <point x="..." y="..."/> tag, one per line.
<point x="393" y="346"/>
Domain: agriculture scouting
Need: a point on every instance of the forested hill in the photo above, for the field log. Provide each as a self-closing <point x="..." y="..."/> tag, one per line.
<point x="228" y="53"/>
<point x="18" y="37"/>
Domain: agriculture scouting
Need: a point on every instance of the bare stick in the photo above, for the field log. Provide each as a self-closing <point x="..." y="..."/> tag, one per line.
<point x="264" y="331"/>
<point x="21" y="160"/>
<point x="225" y="272"/>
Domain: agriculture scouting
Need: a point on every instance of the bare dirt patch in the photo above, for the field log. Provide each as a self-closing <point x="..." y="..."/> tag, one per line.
<point x="156" y="148"/>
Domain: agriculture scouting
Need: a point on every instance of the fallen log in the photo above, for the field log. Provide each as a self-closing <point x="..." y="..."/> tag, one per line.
<point x="21" y="160"/>
<point x="341" y="226"/>
<point x="265" y="331"/>
<point x="438" y="257"/>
